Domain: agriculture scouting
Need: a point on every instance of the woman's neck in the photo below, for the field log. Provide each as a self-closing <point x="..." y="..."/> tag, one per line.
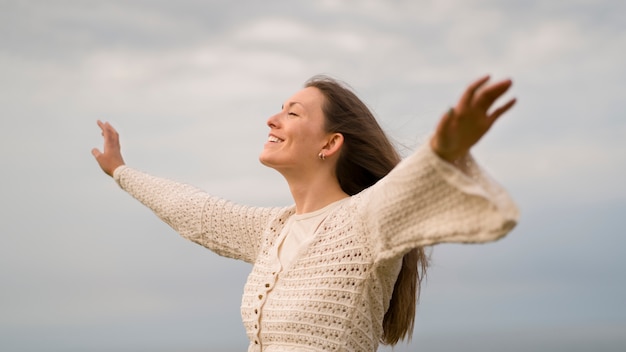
<point x="312" y="195"/>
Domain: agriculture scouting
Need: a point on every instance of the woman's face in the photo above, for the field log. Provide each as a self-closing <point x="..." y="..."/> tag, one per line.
<point x="296" y="134"/>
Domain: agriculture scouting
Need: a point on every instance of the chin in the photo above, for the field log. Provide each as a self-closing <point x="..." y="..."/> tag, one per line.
<point x="265" y="160"/>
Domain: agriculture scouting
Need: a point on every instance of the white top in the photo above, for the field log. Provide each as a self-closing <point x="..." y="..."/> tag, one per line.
<point x="298" y="232"/>
<point x="334" y="293"/>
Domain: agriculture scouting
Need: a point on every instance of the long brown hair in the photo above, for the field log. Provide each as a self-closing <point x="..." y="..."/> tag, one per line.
<point x="366" y="156"/>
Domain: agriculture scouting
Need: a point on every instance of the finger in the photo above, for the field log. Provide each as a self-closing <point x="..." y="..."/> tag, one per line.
<point x="468" y="95"/>
<point x="501" y="110"/>
<point x="106" y="127"/>
<point x="111" y="137"/>
<point x="96" y="153"/>
<point x="491" y="93"/>
<point x="102" y="125"/>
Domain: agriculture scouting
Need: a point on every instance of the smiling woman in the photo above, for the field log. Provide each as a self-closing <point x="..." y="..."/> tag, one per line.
<point x="340" y="269"/>
<point x="297" y="136"/>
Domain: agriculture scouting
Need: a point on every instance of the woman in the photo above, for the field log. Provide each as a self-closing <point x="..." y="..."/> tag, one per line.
<point x="340" y="270"/>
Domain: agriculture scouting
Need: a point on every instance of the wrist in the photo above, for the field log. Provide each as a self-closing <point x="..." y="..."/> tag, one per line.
<point x="446" y="154"/>
<point x="117" y="172"/>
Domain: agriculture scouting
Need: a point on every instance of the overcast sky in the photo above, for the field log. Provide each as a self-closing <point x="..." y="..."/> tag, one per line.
<point x="190" y="84"/>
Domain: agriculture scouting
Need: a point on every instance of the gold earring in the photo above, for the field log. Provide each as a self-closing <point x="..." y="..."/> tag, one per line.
<point x="322" y="156"/>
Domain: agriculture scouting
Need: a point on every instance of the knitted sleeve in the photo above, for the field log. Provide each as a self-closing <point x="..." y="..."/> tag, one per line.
<point x="426" y="200"/>
<point x="228" y="229"/>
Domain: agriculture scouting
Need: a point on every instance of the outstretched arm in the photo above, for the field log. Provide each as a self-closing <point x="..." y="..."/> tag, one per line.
<point x="429" y="198"/>
<point x="462" y="126"/>
<point x="228" y="229"/>
<point x="111" y="156"/>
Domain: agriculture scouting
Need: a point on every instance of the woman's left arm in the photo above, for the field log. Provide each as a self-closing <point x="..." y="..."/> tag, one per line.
<point x="431" y="198"/>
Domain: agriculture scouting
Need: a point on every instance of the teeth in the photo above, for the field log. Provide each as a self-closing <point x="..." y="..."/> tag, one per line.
<point x="274" y="139"/>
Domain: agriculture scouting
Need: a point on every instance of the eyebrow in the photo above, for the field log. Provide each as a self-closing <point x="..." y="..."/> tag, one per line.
<point x="292" y="104"/>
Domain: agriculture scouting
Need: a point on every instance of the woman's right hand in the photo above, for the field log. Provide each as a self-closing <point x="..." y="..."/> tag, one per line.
<point x="111" y="157"/>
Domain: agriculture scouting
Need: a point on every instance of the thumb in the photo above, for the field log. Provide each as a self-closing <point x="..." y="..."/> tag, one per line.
<point x="95" y="152"/>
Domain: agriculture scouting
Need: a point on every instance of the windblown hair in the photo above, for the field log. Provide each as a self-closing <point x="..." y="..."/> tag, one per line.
<point x="366" y="156"/>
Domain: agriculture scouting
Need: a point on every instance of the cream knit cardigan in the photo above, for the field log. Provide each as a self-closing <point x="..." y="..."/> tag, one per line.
<point x="334" y="295"/>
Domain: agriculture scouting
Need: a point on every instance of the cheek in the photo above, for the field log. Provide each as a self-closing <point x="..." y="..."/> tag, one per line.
<point x="315" y="135"/>
<point x="312" y="141"/>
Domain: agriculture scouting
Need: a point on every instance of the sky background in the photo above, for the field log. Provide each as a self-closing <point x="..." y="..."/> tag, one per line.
<point x="189" y="86"/>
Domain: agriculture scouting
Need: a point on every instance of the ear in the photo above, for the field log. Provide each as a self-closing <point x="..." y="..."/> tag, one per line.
<point x="333" y="144"/>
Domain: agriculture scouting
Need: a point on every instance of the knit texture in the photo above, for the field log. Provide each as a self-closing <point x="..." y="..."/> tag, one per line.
<point x="334" y="295"/>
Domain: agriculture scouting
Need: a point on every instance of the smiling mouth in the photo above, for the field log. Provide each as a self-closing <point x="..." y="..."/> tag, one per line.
<point x="274" y="139"/>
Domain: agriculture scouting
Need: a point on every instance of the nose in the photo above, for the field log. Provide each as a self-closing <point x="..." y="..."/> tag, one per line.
<point x="273" y="121"/>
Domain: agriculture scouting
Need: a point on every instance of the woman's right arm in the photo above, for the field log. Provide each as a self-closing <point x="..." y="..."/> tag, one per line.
<point x="228" y="229"/>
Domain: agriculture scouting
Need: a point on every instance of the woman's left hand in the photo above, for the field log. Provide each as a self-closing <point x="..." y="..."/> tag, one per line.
<point x="462" y="126"/>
